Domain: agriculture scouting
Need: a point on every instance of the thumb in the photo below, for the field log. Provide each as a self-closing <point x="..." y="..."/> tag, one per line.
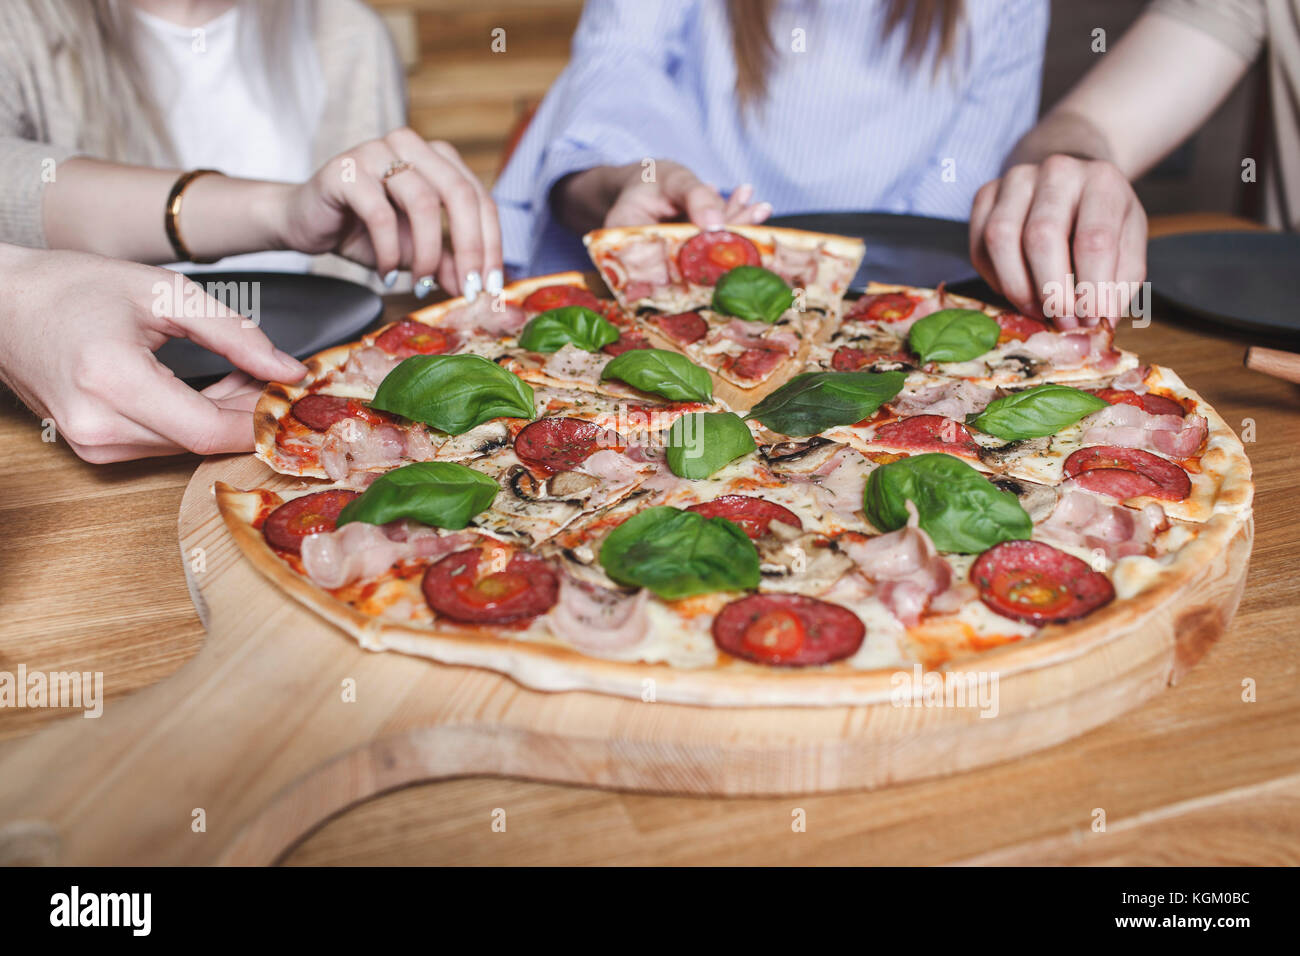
<point x="701" y="202"/>
<point x="197" y="316"/>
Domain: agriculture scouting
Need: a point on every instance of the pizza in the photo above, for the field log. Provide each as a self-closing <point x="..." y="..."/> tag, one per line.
<point x="743" y="302"/>
<point x="548" y="484"/>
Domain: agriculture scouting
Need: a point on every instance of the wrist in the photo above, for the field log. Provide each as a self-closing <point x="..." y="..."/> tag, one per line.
<point x="269" y="214"/>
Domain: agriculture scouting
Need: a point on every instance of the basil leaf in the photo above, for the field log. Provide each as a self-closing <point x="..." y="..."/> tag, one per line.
<point x="453" y="393"/>
<point x="677" y="554"/>
<point x="437" y="493"/>
<point x="552" y="330"/>
<point x="814" y="401"/>
<point x="959" y="508"/>
<point x="700" y="445"/>
<point x="953" y="335"/>
<point x="662" y="372"/>
<point x="1035" y="412"/>
<point x="749" y="292"/>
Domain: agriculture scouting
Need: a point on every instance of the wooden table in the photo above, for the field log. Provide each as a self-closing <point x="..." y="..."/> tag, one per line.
<point x="90" y="579"/>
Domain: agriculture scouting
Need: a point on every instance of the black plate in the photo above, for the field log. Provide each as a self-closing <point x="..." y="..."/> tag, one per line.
<point x="905" y="250"/>
<point x="1246" y="279"/>
<point x="301" y="314"/>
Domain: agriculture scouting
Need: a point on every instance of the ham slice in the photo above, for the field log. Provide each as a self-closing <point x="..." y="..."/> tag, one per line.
<point x="640" y="267"/>
<point x="597" y="619"/>
<point x="358" y="551"/>
<point x="796" y="266"/>
<point x="1134" y="380"/>
<point x="1130" y="427"/>
<point x="353" y="445"/>
<point x="486" y="314"/>
<point x="368" y="367"/>
<point x="905" y="566"/>
<point x="1083" y="520"/>
<point x="752" y="335"/>
<point x="1067" y="350"/>
<point x="617" y="474"/>
<point x="954" y="400"/>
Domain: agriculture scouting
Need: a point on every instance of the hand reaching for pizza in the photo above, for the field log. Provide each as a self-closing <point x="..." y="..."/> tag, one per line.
<point x="1042" y="222"/>
<point x="612" y="196"/>
<point x="77" y="337"/>
<point x="382" y="204"/>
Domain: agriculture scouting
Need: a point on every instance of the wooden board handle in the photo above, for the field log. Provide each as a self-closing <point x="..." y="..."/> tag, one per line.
<point x="1274" y="362"/>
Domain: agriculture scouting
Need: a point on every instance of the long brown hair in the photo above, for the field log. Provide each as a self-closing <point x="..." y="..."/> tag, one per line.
<point x="751" y="36"/>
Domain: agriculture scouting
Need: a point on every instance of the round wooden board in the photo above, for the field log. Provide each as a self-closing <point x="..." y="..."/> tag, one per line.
<point x="260" y="738"/>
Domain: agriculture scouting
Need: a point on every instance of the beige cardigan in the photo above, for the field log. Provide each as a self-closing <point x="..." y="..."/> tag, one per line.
<point x="41" y="111"/>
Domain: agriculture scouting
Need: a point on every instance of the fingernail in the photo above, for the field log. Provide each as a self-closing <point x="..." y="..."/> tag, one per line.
<point x="423" y="287"/>
<point x="495" y="282"/>
<point x="711" y="219"/>
<point x="762" y="211"/>
<point x="288" y="361"/>
<point x="743" y="193"/>
<point x="390" y="279"/>
<point x="473" y="286"/>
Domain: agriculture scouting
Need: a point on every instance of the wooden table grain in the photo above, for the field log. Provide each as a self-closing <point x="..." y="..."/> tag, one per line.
<point x="1206" y="773"/>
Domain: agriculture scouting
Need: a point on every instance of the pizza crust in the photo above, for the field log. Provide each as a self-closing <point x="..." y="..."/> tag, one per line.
<point x="1169" y="589"/>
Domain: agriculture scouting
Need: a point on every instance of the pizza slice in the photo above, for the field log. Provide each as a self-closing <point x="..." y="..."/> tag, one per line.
<point x="902" y="327"/>
<point x="672" y="268"/>
<point x="744" y="303"/>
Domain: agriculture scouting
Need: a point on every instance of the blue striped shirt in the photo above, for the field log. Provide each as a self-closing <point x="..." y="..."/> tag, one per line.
<point x="844" y="125"/>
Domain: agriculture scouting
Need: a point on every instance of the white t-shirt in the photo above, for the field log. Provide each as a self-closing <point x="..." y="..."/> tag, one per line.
<point x="217" y="119"/>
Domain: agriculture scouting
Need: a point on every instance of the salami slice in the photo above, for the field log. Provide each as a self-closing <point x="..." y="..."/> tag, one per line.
<point x="409" y="337"/>
<point x="885" y="307"/>
<point x="1103" y="468"/>
<point x="928" y="433"/>
<point x="755" y="363"/>
<point x="287" y="525"/>
<point x="753" y="515"/>
<point x="705" y="258"/>
<point x="848" y="358"/>
<point x="787" y="630"/>
<point x="562" y="444"/>
<point x="683" y="328"/>
<point x="1016" y="327"/>
<point x="1034" y="582"/>
<point x="627" y="342"/>
<point x="559" y="296"/>
<point x="1151" y="404"/>
<point x="319" y="412"/>
<point x="476" y="587"/>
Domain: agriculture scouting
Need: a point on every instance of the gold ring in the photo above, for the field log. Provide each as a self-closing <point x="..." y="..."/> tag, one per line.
<point x="395" y="167"/>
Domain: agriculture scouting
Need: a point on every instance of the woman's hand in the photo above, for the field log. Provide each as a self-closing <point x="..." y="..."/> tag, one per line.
<point x="628" y="196"/>
<point x="77" y="336"/>
<point x="392" y="223"/>
<point x="1042" y="222"/>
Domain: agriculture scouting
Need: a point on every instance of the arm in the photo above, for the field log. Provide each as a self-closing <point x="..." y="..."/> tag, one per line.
<point x="348" y="207"/>
<point x="1065" y="205"/>
<point x="1162" y="80"/>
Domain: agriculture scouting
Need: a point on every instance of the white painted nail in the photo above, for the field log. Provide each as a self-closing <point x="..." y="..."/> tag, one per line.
<point x="390" y="279"/>
<point x="495" y="282"/>
<point x="423" y="287"/>
<point x="473" y="285"/>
